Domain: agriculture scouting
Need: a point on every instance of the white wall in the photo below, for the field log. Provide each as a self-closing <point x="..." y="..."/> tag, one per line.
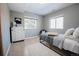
<point x="28" y="32"/>
<point x="5" y="25"/>
<point x="71" y="18"/>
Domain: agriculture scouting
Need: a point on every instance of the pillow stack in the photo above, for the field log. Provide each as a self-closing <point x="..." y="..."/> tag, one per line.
<point x="76" y="34"/>
<point x="69" y="32"/>
<point x="72" y="33"/>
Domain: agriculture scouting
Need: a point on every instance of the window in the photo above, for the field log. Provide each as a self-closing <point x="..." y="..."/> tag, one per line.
<point x="56" y="23"/>
<point x="52" y="22"/>
<point x="30" y="23"/>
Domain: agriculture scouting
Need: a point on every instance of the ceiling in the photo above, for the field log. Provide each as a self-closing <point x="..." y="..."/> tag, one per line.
<point x="38" y="8"/>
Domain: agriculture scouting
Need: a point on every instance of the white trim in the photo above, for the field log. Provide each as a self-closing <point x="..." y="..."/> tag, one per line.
<point x="27" y="17"/>
<point x="8" y="49"/>
<point x="61" y="15"/>
<point x="31" y="37"/>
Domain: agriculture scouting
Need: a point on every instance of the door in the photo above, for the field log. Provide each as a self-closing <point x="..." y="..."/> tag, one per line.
<point x="1" y="49"/>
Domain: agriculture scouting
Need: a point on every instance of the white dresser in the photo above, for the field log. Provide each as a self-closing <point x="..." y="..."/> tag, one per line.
<point x="18" y="33"/>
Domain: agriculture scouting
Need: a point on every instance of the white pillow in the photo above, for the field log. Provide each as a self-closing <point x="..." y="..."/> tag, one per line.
<point x="43" y="32"/>
<point x="76" y="34"/>
<point x="69" y="32"/>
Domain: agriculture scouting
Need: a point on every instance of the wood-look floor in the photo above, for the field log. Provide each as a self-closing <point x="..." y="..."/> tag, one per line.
<point x="30" y="47"/>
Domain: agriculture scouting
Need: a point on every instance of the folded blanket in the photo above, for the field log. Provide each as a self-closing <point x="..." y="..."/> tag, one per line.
<point x="58" y="41"/>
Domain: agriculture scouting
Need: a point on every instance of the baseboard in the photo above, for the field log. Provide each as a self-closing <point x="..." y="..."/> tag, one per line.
<point x="24" y="39"/>
<point x="31" y="37"/>
<point x="17" y="41"/>
<point x="8" y="49"/>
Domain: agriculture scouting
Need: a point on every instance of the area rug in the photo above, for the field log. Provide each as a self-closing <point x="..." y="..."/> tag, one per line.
<point x="57" y="50"/>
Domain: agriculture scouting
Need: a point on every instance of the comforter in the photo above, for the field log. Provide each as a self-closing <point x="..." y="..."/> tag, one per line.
<point x="58" y="41"/>
<point x="71" y="45"/>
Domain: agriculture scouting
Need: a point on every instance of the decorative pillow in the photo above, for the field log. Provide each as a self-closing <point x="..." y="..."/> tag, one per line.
<point x="76" y="34"/>
<point x="69" y="32"/>
<point x="43" y="33"/>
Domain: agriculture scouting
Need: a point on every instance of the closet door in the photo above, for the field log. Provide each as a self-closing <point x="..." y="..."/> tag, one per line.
<point x="18" y="34"/>
<point x="13" y="35"/>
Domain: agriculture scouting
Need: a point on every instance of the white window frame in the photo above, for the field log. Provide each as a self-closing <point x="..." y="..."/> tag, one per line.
<point x="55" y="23"/>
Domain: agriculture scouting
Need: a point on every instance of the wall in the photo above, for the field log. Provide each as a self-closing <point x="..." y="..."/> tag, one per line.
<point x="5" y="25"/>
<point x="71" y="18"/>
<point x="28" y="32"/>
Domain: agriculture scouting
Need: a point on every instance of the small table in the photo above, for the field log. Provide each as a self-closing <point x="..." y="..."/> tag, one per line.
<point x="52" y="33"/>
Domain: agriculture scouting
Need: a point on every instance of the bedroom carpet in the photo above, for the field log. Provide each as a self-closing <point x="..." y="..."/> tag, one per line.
<point x="30" y="47"/>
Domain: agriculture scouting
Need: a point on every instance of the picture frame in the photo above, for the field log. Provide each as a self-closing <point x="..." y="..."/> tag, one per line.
<point x="18" y="20"/>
